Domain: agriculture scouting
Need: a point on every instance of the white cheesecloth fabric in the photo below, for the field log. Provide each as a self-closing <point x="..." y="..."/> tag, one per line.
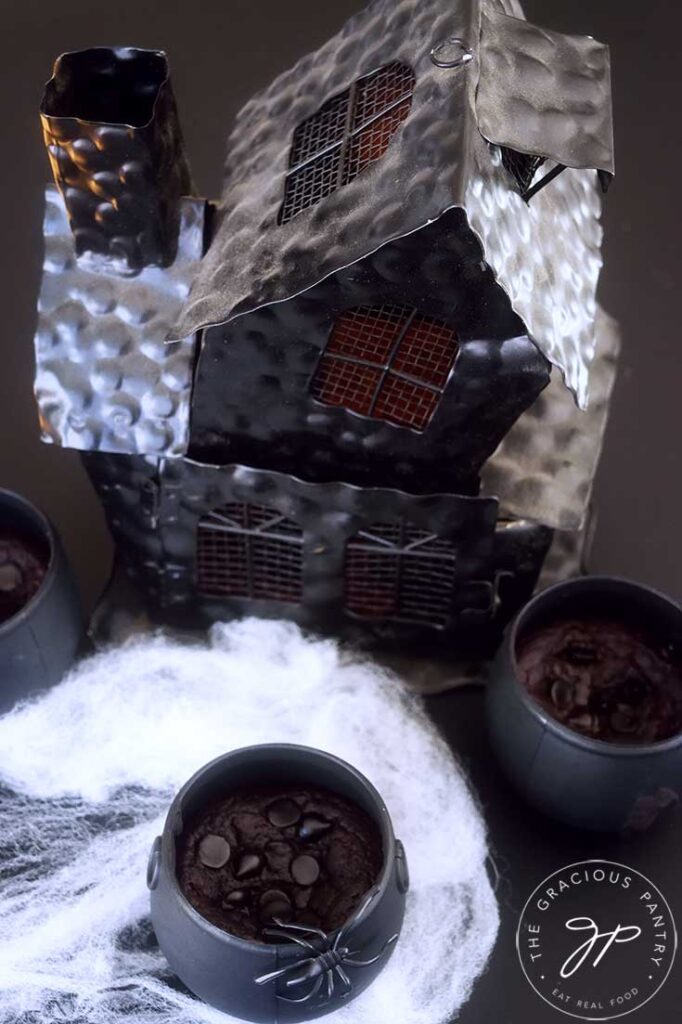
<point x="87" y="772"/>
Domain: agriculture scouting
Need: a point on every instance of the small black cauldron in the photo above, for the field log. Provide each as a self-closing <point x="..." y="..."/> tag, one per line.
<point x="234" y="974"/>
<point x="41" y="634"/>
<point x="581" y="780"/>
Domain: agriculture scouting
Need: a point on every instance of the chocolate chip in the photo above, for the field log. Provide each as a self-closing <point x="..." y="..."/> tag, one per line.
<point x="214" y="851"/>
<point x="10" y="577"/>
<point x="562" y="694"/>
<point x="312" y="827"/>
<point x="273" y="896"/>
<point x="235" y="899"/>
<point x="249" y="864"/>
<point x="305" y="870"/>
<point x="283" y="813"/>
<point x="275" y="903"/>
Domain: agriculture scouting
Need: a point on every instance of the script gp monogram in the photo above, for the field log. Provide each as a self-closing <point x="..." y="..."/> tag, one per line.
<point x="620" y="934"/>
<point x="596" y="940"/>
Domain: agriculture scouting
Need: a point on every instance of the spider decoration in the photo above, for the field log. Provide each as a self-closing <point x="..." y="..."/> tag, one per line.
<point x="323" y="965"/>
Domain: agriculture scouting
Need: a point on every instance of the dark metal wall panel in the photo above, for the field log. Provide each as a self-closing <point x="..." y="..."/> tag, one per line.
<point x="154" y="512"/>
<point x="251" y="402"/>
<point x="127" y="486"/>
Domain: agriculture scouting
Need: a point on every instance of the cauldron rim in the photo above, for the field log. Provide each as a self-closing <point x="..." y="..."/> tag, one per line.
<point x="169" y="836"/>
<point x="42" y="523"/>
<point x="606" y="748"/>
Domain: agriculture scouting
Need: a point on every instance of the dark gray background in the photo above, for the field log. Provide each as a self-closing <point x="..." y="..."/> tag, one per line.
<point x="223" y="50"/>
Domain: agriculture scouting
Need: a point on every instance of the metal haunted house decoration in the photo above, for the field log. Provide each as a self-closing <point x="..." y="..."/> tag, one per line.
<point x="384" y="404"/>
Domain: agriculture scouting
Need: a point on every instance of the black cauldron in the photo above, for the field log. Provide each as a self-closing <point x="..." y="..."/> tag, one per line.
<point x="221" y="968"/>
<point x="583" y="781"/>
<point x="40" y="641"/>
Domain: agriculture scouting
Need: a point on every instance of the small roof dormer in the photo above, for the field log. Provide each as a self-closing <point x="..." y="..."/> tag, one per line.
<point x="545" y="99"/>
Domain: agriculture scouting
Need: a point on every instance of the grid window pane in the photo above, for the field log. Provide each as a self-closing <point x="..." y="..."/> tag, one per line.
<point x="368" y="333"/>
<point x="426" y="587"/>
<point x="310" y="183"/>
<point x="333" y="146"/>
<point x="372" y="142"/>
<point x="398" y="572"/>
<point x="378" y="91"/>
<point x="352" y="385"/>
<point x="249" y="551"/>
<point x="371" y="583"/>
<point x="222" y="564"/>
<point x="323" y="129"/>
<point x="387" y="362"/>
<point x="427" y="351"/>
<point x="405" y="403"/>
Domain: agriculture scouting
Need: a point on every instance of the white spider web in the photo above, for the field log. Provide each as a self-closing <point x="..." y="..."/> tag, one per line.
<point x="86" y="776"/>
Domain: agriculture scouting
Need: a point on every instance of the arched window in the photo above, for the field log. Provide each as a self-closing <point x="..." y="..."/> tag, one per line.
<point x="399" y="572"/>
<point x="348" y="132"/>
<point x="387" y="362"/>
<point x="249" y="551"/>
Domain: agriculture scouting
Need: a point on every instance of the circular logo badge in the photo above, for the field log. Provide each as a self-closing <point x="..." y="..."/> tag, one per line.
<point x="596" y="940"/>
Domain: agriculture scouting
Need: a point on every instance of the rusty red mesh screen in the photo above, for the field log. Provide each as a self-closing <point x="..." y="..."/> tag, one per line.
<point x="249" y="551"/>
<point x="376" y="92"/>
<point x="372" y="142"/>
<point x="397" y="571"/>
<point x="323" y="129"/>
<point x="348" y="132"/>
<point x="388" y="362"/>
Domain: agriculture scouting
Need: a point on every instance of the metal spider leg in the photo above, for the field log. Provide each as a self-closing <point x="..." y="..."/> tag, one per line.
<point x="330" y="985"/>
<point x="367" y="963"/>
<point x="345" y="979"/>
<point x="273" y="975"/>
<point x="309" y="995"/>
<point x="286" y="926"/>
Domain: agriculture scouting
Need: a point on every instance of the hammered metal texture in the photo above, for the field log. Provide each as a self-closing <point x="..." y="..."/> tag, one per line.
<point x="251" y="402"/>
<point x="566" y="81"/>
<point x="253" y="260"/>
<point x="122" y="183"/>
<point x="545" y="466"/>
<point x="105" y="378"/>
<point x="158" y="536"/>
<point x="546" y="254"/>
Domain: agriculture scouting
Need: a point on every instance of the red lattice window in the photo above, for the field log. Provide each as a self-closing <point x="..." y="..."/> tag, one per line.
<point x="347" y="134"/>
<point x="389" y="362"/>
<point x="397" y="571"/>
<point x="249" y="551"/>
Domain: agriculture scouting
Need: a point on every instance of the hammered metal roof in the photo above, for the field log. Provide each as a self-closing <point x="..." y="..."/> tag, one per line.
<point x="105" y="378"/>
<point x="529" y="94"/>
<point x="434" y="162"/>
